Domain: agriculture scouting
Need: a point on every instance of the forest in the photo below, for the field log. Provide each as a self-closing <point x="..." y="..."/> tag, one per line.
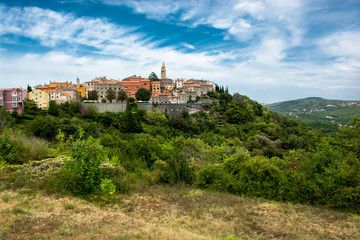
<point x="235" y="146"/>
<point x="318" y="113"/>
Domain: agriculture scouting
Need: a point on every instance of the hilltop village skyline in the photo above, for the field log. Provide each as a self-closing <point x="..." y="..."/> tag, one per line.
<point x="103" y="89"/>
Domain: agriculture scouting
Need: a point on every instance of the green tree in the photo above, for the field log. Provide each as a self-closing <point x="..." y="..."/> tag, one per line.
<point x="53" y="108"/>
<point x="236" y="114"/>
<point x="93" y="95"/>
<point x="143" y="95"/>
<point x="122" y="95"/>
<point x="29" y="89"/>
<point x="30" y="110"/>
<point x="128" y="122"/>
<point x="153" y="77"/>
<point x="110" y="95"/>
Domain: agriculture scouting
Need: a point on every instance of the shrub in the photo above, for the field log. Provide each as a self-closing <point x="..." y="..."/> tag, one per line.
<point x="108" y="188"/>
<point x="45" y="127"/>
<point x="18" y="148"/>
<point x="213" y="177"/>
<point x="81" y="175"/>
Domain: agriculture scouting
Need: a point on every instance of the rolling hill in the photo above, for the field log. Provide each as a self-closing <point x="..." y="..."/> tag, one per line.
<point x="321" y="114"/>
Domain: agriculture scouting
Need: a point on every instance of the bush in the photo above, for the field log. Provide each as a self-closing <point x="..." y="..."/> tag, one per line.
<point x="45" y="127"/>
<point x="81" y="175"/>
<point x="17" y="148"/>
<point x="213" y="177"/>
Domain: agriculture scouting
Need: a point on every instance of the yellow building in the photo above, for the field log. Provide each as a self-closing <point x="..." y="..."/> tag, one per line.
<point x="81" y="91"/>
<point x="155" y="86"/>
<point x="40" y="97"/>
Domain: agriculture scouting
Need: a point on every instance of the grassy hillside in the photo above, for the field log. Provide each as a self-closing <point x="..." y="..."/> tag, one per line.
<point x="321" y="114"/>
<point x="164" y="212"/>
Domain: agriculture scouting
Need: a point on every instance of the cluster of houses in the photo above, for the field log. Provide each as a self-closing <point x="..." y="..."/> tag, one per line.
<point x="163" y="90"/>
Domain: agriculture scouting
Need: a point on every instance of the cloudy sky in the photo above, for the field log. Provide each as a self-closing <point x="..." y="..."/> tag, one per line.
<point x="270" y="50"/>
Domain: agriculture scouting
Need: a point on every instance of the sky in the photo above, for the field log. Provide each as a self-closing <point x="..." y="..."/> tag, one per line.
<point x="270" y="50"/>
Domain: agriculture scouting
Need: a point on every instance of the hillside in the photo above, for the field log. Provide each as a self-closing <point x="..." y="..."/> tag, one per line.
<point x="161" y="212"/>
<point x="321" y="114"/>
<point x="233" y="169"/>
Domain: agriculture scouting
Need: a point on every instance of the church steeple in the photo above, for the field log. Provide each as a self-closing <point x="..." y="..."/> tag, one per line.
<point x="163" y="71"/>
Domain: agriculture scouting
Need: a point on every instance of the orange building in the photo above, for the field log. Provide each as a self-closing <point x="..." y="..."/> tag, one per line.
<point x="132" y="84"/>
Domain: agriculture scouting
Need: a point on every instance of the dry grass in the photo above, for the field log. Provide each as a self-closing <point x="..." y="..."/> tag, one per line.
<point x="167" y="213"/>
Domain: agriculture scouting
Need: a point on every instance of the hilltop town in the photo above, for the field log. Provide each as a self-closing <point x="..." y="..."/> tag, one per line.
<point x="102" y="89"/>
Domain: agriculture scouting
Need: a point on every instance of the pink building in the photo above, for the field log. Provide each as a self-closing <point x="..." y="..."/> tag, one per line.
<point x="12" y="99"/>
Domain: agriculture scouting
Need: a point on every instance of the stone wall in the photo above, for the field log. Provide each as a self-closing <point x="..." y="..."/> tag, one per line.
<point x="172" y="108"/>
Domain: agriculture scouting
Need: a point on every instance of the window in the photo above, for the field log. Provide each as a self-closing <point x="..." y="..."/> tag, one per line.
<point x="14" y="104"/>
<point x="14" y="93"/>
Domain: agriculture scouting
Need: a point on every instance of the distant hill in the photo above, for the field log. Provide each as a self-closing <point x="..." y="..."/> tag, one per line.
<point x="322" y="114"/>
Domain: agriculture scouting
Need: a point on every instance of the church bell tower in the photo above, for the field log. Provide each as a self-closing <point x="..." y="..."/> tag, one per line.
<point x="163" y="71"/>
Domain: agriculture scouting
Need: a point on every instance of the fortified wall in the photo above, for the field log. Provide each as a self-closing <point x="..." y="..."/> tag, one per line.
<point x="172" y="108"/>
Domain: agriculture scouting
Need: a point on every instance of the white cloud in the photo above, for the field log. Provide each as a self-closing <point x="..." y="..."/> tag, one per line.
<point x="258" y="70"/>
<point x="253" y="8"/>
<point x="53" y="28"/>
<point x="342" y="44"/>
<point x="189" y="46"/>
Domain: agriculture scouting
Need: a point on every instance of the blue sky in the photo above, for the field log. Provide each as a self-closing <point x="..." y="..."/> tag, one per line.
<point x="271" y="51"/>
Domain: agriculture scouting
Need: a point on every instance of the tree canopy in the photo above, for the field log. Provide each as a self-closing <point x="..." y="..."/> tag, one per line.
<point x="122" y="95"/>
<point x="110" y="95"/>
<point x="93" y="95"/>
<point x="153" y="77"/>
<point x="143" y="95"/>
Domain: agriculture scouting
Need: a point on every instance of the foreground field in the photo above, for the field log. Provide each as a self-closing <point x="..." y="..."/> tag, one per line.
<point x="167" y="213"/>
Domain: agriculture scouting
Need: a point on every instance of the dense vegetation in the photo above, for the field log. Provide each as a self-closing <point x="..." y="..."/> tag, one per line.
<point x="235" y="145"/>
<point x="321" y="114"/>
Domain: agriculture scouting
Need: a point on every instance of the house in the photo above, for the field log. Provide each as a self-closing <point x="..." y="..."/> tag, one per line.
<point x="174" y="99"/>
<point x="155" y="86"/>
<point x="155" y="98"/>
<point x="164" y="97"/>
<point x="179" y="83"/>
<point x="167" y="83"/>
<point x="63" y="94"/>
<point x="132" y="84"/>
<point x="40" y="97"/>
<point x="12" y="99"/>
